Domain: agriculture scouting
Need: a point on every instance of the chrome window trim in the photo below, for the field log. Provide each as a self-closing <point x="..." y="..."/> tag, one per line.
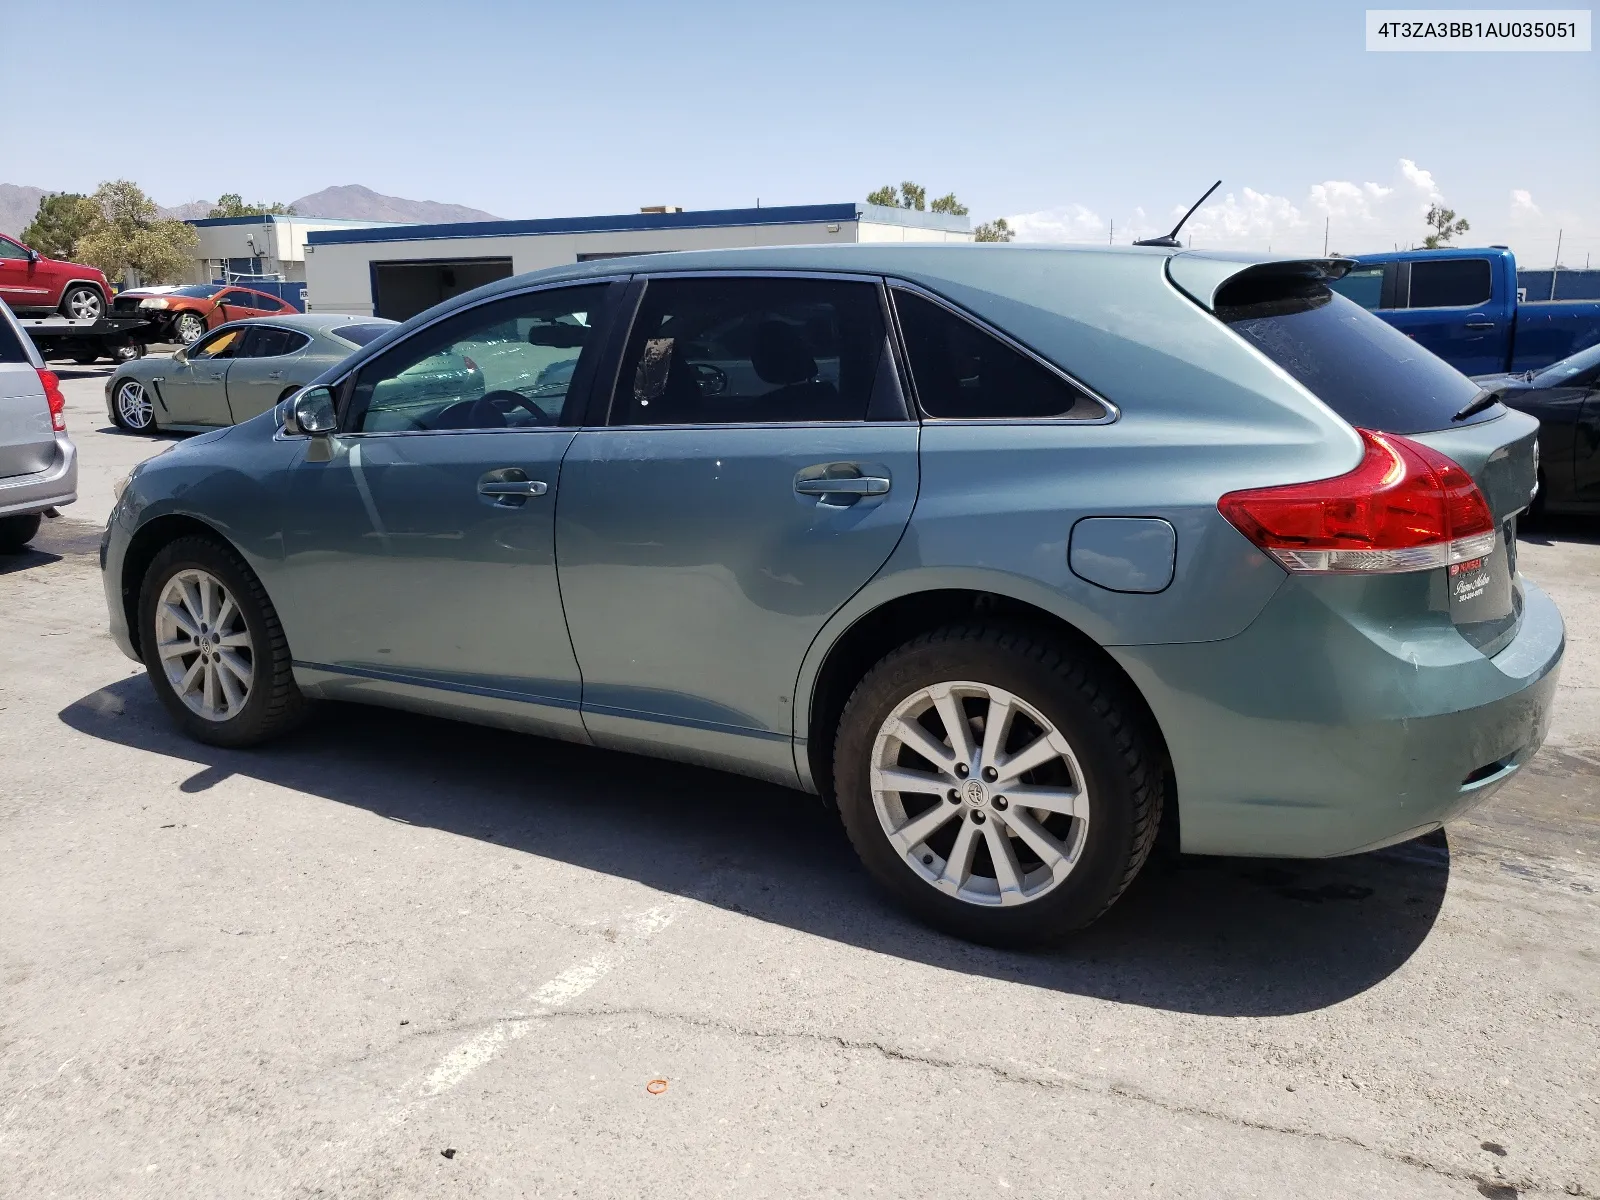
<point x="1111" y="414"/>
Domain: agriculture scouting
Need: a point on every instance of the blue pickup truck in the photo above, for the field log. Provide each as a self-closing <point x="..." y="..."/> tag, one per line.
<point x="1463" y="305"/>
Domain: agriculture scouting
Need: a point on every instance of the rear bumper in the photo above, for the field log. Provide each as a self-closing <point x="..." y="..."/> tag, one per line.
<point x="52" y="487"/>
<point x="1308" y="736"/>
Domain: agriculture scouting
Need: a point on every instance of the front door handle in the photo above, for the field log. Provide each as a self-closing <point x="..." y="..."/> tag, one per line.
<point x="274" y="374"/>
<point x="1480" y="324"/>
<point x="513" y="487"/>
<point x="850" y="485"/>
<point x="510" y="487"/>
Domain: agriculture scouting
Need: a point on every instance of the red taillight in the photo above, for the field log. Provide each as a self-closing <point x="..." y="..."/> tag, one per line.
<point x="53" y="397"/>
<point x="1406" y="507"/>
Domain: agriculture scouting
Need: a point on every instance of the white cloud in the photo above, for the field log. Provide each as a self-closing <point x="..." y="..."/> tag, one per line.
<point x="1522" y="205"/>
<point x="1067" y="223"/>
<point x="1421" y="180"/>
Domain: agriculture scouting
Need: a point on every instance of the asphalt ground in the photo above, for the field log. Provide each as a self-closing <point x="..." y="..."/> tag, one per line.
<point x="398" y="956"/>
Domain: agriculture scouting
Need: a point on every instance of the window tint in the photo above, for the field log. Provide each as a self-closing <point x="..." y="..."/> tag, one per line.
<point x="361" y="335"/>
<point x="962" y="371"/>
<point x="197" y="291"/>
<point x="224" y="343"/>
<point x="1364" y="369"/>
<point x="502" y="365"/>
<point x="239" y="299"/>
<point x="1449" y="282"/>
<point x="11" y="348"/>
<point x="1364" y="285"/>
<point x="9" y="249"/>
<point x="721" y="351"/>
<point x="267" y="342"/>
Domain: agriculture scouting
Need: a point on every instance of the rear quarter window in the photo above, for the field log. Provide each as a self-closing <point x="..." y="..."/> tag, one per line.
<point x="11" y="348"/>
<point x="360" y="335"/>
<point x="1364" y="369"/>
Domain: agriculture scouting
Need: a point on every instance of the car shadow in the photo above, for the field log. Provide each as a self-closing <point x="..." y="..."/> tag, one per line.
<point x="1228" y="937"/>
<point x="1556" y="530"/>
<point x="58" y="538"/>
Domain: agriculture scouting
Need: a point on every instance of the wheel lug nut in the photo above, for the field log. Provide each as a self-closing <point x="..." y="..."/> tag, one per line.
<point x="977" y="817"/>
<point x="961" y="770"/>
<point x="991" y="774"/>
<point x="955" y="796"/>
<point x="1000" y="802"/>
<point x="927" y="860"/>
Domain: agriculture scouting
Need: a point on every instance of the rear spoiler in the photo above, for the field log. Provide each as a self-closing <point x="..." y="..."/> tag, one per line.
<point x="1200" y="274"/>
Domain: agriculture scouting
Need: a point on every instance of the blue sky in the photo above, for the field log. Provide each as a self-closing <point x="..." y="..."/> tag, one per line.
<point x="1065" y="115"/>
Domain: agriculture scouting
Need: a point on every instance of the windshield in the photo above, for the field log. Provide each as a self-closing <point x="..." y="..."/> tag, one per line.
<point x="1558" y="373"/>
<point x="200" y="291"/>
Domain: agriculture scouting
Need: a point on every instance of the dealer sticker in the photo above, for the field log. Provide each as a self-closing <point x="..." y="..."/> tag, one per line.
<point x="1468" y="580"/>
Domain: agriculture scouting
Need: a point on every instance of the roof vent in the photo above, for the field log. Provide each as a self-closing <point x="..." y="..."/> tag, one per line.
<point x="661" y="208"/>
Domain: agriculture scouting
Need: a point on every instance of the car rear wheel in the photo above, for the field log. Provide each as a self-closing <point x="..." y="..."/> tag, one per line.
<point x="131" y="406"/>
<point x="1004" y="790"/>
<point x="213" y="646"/>
<point x="17" y="531"/>
<point x="189" y="328"/>
<point x="83" y="303"/>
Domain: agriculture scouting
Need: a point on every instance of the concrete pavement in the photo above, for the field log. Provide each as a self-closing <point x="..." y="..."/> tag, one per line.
<point x="317" y="968"/>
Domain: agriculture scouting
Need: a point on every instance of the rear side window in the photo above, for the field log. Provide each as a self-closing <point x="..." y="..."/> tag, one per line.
<point x="1368" y="372"/>
<point x="1449" y="282"/>
<point x="267" y="342"/>
<point x="963" y="372"/>
<point x="360" y="335"/>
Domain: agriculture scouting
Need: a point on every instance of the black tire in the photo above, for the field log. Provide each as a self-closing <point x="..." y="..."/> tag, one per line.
<point x="122" y="352"/>
<point x="78" y="301"/>
<point x="1120" y="756"/>
<point x="85" y="358"/>
<point x="274" y="704"/>
<point x="17" y="531"/>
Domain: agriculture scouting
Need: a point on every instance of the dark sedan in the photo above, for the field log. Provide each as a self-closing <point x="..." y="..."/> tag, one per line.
<point x="1565" y="397"/>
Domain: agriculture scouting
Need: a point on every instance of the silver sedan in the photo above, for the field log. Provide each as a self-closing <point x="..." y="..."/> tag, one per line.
<point x="235" y="372"/>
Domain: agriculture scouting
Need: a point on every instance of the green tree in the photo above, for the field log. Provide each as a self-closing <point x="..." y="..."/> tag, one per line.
<point x="128" y="233"/>
<point x="1445" y="225"/>
<point x="913" y="196"/>
<point x="885" y="196"/>
<point x="231" y="204"/>
<point x="949" y="204"/>
<point x="993" y="231"/>
<point x="62" y="219"/>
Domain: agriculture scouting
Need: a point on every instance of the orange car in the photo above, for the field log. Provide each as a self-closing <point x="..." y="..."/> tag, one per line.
<point x="186" y="313"/>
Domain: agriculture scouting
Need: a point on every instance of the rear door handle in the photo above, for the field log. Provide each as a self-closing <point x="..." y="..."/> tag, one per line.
<point x="1480" y="324"/>
<point x="274" y="374"/>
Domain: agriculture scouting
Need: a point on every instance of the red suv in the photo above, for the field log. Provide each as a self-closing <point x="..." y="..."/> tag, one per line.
<point x="31" y="283"/>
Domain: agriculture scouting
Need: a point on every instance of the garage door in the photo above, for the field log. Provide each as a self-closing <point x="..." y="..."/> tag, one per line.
<point x="403" y="289"/>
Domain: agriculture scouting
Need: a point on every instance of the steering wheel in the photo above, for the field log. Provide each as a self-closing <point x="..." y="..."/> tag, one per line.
<point x="504" y="400"/>
<point x="711" y="380"/>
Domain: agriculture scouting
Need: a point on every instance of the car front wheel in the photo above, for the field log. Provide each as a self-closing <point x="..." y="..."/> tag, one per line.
<point x="213" y="646"/>
<point x="1003" y="788"/>
<point x="131" y="406"/>
<point x="189" y="328"/>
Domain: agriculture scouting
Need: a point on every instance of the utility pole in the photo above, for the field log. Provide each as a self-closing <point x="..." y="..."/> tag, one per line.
<point x="1557" y="265"/>
<point x="1112" y="236"/>
<point x="1326" y="221"/>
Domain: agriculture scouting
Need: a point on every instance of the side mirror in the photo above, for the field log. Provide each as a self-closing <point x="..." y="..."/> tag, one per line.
<point x="181" y="356"/>
<point x="311" y="412"/>
<point x="33" y="255"/>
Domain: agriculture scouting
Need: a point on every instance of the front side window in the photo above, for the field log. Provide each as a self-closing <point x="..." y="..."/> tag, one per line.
<point x="962" y="371"/>
<point x="267" y="342"/>
<point x="503" y="365"/>
<point x="763" y="351"/>
<point x="9" y="249"/>
<point x="1449" y="282"/>
<point x="224" y="343"/>
<point x="240" y="299"/>
<point x="1364" y="285"/>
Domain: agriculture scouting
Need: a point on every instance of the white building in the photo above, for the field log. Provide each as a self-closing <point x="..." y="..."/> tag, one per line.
<point x="399" y="271"/>
<point x="269" y="246"/>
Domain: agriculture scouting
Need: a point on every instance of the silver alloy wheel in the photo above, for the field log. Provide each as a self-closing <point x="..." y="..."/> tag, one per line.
<point x="133" y="405"/>
<point x="204" y="645"/>
<point x="993" y="808"/>
<point x="190" y="328"/>
<point x="84" y="304"/>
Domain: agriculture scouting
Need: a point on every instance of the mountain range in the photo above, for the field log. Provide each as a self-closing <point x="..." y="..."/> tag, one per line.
<point x="351" y="201"/>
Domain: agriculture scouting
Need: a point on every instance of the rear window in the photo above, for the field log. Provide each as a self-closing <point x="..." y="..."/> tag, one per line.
<point x="360" y="335"/>
<point x="1364" y="369"/>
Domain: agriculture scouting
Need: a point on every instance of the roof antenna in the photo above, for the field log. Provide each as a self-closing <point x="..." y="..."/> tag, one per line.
<point x="1171" y="240"/>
